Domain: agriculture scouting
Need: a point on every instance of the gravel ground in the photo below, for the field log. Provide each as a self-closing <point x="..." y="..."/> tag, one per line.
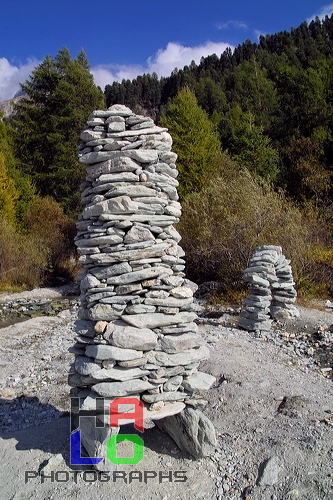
<point x="271" y="407"/>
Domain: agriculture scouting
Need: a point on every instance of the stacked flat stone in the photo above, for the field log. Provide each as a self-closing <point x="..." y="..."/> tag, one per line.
<point x="272" y="293"/>
<point x="284" y="293"/>
<point x="137" y="330"/>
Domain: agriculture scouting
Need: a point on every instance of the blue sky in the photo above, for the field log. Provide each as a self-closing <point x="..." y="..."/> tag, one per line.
<point x="125" y="38"/>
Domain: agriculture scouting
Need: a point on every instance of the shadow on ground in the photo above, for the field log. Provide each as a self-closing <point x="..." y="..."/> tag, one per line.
<point x="48" y="429"/>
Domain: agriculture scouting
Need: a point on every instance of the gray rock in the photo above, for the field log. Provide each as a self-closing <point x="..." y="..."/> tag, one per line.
<point x="137" y="233"/>
<point x="253" y="325"/>
<point x="129" y="337"/>
<point x="136" y="133"/>
<point x="199" y="381"/>
<point x="140" y="309"/>
<point x="168" y="157"/>
<point x="116" y="126"/>
<point x="192" y="431"/>
<point x="180" y="342"/>
<point x="114" y="110"/>
<point x="186" y="327"/>
<point x="89" y="282"/>
<point x="143" y="155"/>
<point x="257" y="301"/>
<point x="155" y="250"/>
<point x="284" y="300"/>
<point x="169" y="302"/>
<point x="256" y="280"/>
<point x="85" y="328"/>
<point x="76" y="380"/>
<point x="181" y="292"/>
<point x="164" y="168"/>
<point x="146" y="124"/>
<point x="95" y="121"/>
<point x="268" y="472"/>
<point x="107" y="272"/>
<point x="120" y="374"/>
<point x="133" y="363"/>
<point x="181" y="358"/>
<point x="88" y="135"/>
<point x="94" y="440"/>
<point x="86" y="365"/>
<point x="112" y="239"/>
<point x="99" y="156"/>
<point x="173" y="383"/>
<point x="113" y="146"/>
<point x="155" y="320"/>
<point x="118" y="299"/>
<point x="143" y="274"/>
<point x="157" y="294"/>
<point x="256" y="316"/>
<point x="126" y="289"/>
<point x="115" y="119"/>
<point x="105" y="180"/>
<point x="165" y="396"/>
<point x="133" y="191"/>
<point x="106" y="312"/>
<point x="102" y="351"/>
<point x="117" y="164"/>
<point x="94" y="297"/>
<point x="284" y="313"/>
<point x="118" y="389"/>
<point x="119" y="205"/>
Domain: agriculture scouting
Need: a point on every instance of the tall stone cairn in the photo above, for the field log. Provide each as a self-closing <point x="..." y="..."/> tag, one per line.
<point x="137" y="335"/>
<point x="272" y="292"/>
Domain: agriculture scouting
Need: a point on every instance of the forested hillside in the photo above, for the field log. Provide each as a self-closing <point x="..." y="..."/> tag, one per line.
<point x="253" y="130"/>
<point x="276" y="94"/>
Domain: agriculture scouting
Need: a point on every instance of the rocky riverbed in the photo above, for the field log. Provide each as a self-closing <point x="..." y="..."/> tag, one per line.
<point x="271" y="407"/>
<point x="40" y="302"/>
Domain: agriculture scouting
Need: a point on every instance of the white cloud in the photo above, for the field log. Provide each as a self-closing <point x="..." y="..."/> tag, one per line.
<point x="232" y="23"/>
<point x="11" y="76"/>
<point x="163" y="63"/>
<point x="326" y="10"/>
<point x="259" y="33"/>
<point x="107" y="73"/>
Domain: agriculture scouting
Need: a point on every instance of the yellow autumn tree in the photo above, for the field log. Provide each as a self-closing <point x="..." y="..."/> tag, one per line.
<point x="8" y="193"/>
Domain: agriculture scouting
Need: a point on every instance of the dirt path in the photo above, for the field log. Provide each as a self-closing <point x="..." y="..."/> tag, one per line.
<point x="268" y="405"/>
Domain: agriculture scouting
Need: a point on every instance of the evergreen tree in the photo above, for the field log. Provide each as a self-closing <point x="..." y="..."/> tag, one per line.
<point x="195" y="140"/>
<point x="47" y="124"/>
<point x="210" y="96"/>
<point x="254" y="92"/>
<point x="250" y="147"/>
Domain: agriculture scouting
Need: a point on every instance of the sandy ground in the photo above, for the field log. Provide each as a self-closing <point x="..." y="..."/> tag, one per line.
<point x="267" y="405"/>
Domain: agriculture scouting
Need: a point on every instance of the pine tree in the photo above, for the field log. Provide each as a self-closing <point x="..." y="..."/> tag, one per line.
<point x="195" y="140"/>
<point x="250" y="147"/>
<point x="47" y="124"/>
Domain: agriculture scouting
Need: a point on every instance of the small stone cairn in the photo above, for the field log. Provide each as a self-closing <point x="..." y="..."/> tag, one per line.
<point x="137" y="335"/>
<point x="272" y="292"/>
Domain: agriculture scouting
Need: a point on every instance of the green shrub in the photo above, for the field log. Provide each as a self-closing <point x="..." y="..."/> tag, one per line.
<point x="55" y="231"/>
<point x="222" y="225"/>
<point x="23" y="262"/>
<point x="8" y="193"/>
